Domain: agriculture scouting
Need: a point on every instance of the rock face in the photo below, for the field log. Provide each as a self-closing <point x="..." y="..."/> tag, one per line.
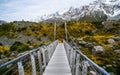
<point x="117" y="51"/>
<point x="93" y="73"/>
<point x="6" y="41"/>
<point x="108" y="25"/>
<point x="89" y="45"/>
<point x="82" y="42"/>
<point x="111" y="73"/>
<point x="97" y="49"/>
<point x="95" y="30"/>
<point x="31" y="47"/>
<point x="14" y="53"/>
<point x="116" y="38"/>
<point x="111" y="41"/>
<point x="43" y="39"/>
<point x="20" y="37"/>
<point x="24" y="39"/>
<point x="21" y="24"/>
<point x="3" y="60"/>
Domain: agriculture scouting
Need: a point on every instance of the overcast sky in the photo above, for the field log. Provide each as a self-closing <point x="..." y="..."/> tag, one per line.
<point x="11" y="10"/>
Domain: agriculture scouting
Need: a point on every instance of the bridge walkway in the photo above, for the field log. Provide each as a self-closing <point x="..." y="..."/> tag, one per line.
<point x="58" y="64"/>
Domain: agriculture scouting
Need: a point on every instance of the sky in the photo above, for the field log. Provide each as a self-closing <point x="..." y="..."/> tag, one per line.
<point x="31" y="10"/>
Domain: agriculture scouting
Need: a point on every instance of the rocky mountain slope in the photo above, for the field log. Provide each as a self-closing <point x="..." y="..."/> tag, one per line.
<point x="2" y="22"/>
<point x="96" y="11"/>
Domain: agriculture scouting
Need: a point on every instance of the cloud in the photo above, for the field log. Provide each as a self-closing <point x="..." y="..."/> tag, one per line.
<point x="11" y="10"/>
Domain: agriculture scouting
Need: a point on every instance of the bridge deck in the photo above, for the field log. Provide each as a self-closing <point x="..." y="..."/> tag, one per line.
<point x="58" y="65"/>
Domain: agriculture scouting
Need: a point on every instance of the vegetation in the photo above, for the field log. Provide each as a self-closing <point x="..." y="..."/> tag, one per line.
<point x="96" y="33"/>
<point x="78" y="29"/>
<point x="17" y="46"/>
<point x="6" y="29"/>
<point x="100" y="37"/>
<point x="4" y="50"/>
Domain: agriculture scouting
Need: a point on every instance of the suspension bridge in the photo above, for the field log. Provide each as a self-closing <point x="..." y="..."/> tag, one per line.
<point x="53" y="59"/>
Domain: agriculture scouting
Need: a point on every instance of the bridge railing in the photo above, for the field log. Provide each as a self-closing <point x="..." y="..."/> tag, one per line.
<point x="80" y="64"/>
<point x="30" y="63"/>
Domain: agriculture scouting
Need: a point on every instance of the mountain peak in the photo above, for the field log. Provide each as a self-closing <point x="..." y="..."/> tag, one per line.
<point x="97" y="10"/>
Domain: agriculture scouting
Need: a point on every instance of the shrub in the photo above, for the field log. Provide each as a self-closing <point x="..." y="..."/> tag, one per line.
<point x="0" y="44"/>
<point x="4" y="50"/>
<point x="20" y="47"/>
<point x="111" y="69"/>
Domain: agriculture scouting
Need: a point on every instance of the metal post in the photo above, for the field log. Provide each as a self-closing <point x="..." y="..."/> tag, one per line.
<point x="84" y="63"/>
<point x="44" y="59"/>
<point x="46" y="55"/>
<point x="20" y="67"/>
<point x="66" y="32"/>
<point x="55" y="31"/>
<point x="68" y="54"/>
<point x="51" y="49"/>
<point x="73" y="62"/>
<point x="71" y="57"/>
<point x="49" y="52"/>
<point x="40" y="62"/>
<point x="77" y="65"/>
<point x="33" y="64"/>
<point x="84" y="69"/>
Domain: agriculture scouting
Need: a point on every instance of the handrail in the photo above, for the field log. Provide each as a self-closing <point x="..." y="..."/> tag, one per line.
<point x="103" y="72"/>
<point x="40" y="51"/>
<point x="98" y="67"/>
<point x="18" y="58"/>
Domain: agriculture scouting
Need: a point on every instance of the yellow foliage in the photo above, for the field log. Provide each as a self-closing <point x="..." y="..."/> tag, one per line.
<point x="101" y="38"/>
<point x="78" y="28"/>
<point x="1" y="49"/>
<point x="47" y="42"/>
<point x="107" y="46"/>
<point x="95" y="59"/>
<point x="4" y="49"/>
<point x="28" y="32"/>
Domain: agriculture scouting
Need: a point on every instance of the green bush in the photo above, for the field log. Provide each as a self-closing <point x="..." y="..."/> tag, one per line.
<point x="20" y="47"/>
<point x="0" y="44"/>
<point x="111" y="69"/>
<point x="88" y="33"/>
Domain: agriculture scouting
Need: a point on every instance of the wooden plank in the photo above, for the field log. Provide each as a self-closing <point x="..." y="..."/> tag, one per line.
<point x="58" y="64"/>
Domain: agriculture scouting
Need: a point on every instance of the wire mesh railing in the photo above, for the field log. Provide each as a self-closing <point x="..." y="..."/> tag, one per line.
<point x="80" y="64"/>
<point x="30" y="63"/>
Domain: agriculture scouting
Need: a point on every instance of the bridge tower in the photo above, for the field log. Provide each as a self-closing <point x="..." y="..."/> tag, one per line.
<point x="66" y="31"/>
<point x="55" y="31"/>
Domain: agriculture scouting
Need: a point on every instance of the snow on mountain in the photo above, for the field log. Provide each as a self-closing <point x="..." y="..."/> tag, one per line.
<point x="97" y="10"/>
<point x="111" y="7"/>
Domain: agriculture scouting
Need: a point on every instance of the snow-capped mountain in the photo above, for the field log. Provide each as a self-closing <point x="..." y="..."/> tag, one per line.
<point x="98" y="11"/>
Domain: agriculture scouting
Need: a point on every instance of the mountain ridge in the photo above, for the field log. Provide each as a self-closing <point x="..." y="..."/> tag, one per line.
<point x="104" y="9"/>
